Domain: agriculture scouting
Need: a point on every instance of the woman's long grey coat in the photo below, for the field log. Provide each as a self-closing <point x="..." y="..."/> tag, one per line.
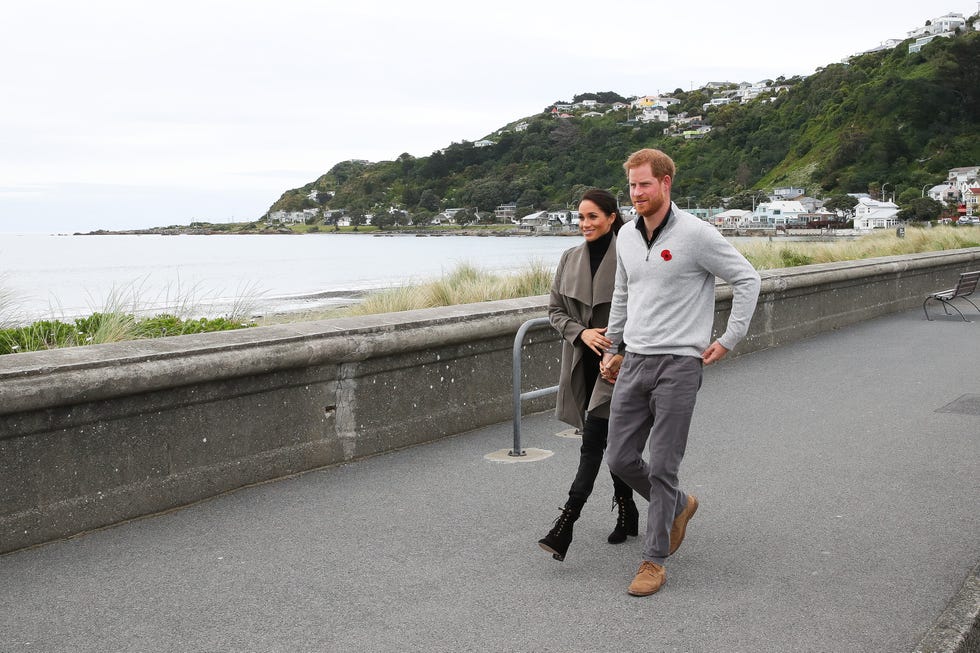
<point x="579" y="302"/>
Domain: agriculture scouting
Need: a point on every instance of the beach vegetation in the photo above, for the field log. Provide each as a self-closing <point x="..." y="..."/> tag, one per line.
<point x="465" y="284"/>
<point x="778" y="253"/>
<point x="124" y="317"/>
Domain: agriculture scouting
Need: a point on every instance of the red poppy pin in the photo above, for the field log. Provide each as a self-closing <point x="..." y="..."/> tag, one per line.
<point x="665" y="255"/>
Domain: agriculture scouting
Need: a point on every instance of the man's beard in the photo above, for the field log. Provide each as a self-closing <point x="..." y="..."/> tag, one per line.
<point x="654" y="204"/>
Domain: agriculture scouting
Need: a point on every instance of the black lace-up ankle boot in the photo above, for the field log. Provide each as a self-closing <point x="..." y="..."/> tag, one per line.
<point x="560" y="536"/>
<point x="627" y="522"/>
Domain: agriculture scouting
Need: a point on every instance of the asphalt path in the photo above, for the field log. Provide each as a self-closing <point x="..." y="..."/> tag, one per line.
<point x="839" y="481"/>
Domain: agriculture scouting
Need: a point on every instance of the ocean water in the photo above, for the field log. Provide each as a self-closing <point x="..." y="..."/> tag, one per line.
<point x="43" y="277"/>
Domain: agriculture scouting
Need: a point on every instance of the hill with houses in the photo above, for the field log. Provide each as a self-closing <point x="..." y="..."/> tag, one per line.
<point x="885" y="126"/>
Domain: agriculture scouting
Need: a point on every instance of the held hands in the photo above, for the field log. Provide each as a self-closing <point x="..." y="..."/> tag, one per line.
<point x="714" y="353"/>
<point x="609" y="366"/>
<point x="595" y="340"/>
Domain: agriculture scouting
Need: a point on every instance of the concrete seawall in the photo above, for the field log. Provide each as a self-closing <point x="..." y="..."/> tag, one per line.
<point x="96" y="435"/>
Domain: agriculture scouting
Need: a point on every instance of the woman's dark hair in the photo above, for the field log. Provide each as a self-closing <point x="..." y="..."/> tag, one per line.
<point x="606" y="203"/>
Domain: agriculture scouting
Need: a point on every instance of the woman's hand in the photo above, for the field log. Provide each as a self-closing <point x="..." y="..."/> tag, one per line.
<point x="595" y="340"/>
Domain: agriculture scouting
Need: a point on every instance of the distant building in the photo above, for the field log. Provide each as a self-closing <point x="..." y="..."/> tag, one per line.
<point x="700" y="132"/>
<point x="717" y="102"/>
<point x="292" y="217"/>
<point x="945" y="192"/>
<point x="733" y="218"/>
<point x="536" y="221"/>
<point x="654" y="114"/>
<point x="779" y="212"/>
<point x="942" y="25"/>
<point x="787" y="193"/>
<point x="963" y="179"/>
<point x="872" y="214"/>
<point x="505" y="212"/>
<point x="972" y="201"/>
<point x="922" y="41"/>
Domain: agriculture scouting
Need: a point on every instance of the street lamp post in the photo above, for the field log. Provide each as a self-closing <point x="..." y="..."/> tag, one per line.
<point x="887" y="183"/>
<point x="924" y="187"/>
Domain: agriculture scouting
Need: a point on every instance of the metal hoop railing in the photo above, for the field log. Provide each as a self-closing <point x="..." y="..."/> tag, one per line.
<point x="518" y="395"/>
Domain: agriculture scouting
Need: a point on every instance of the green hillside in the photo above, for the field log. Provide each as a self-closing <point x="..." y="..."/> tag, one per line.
<point x="883" y="118"/>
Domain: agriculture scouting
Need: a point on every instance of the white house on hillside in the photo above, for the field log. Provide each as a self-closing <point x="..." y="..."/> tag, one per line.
<point x="972" y="201"/>
<point x="872" y="214"/>
<point x="946" y="192"/>
<point x="733" y="217"/>
<point x="292" y="217"/>
<point x="963" y="179"/>
<point x="654" y="114"/>
<point x="779" y="212"/>
<point x="535" y="221"/>
<point x="942" y="25"/>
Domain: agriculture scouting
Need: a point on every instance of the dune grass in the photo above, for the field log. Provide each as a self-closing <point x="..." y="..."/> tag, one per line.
<point x="468" y="284"/>
<point x="782" y="254"/>
<point x="465" y="284"/>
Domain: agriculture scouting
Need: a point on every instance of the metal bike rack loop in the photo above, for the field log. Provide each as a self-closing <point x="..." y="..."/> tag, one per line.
<point x="518" y="395"/>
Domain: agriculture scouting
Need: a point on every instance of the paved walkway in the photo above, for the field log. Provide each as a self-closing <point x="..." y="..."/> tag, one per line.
<point x="839" y="481"/>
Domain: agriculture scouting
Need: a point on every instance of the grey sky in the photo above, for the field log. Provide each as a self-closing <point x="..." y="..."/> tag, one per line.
<point x="126" y="114"/>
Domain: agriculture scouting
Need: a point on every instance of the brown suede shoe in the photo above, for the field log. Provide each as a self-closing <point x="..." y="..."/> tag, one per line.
<point x="679" y="527"/>
<point x="649" y="579"/>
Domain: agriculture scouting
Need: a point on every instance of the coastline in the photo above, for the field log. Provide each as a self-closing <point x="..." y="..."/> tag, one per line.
<point x="487" y="231"/>
<point x="493" y="231"/>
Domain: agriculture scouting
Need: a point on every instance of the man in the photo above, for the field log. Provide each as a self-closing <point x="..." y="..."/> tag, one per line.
<point x="663" y="311"/>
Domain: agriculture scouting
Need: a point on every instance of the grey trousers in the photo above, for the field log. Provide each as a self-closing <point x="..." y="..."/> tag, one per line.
<point x="652" y="405"/>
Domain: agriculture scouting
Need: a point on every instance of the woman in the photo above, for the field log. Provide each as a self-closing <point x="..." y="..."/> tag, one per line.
<point x="579" y="309"/>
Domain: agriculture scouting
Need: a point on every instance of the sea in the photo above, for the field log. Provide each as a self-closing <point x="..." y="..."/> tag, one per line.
<point x="68" y="276"/>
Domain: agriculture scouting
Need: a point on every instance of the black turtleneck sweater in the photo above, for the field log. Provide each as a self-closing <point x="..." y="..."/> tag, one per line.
<point x="598" y="249"/>
<point x="590" y="361"/>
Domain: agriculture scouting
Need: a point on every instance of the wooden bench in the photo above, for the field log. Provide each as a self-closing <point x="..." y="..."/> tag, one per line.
<point x="964" y="287"/>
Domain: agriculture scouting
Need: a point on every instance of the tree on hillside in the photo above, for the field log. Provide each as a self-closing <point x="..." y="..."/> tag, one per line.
<point x="531" y="197"/>
<point x="842" y="204"/>
<point x="921" y="208"/>
<point x="465" y="217"/>
<point x="383" y="219"/>
<point x="356" y="218"/>
<point x="747" y="200"/>
<point x="429" y="200"/>
<point x="485" y="194"/>
<point x="401" y="217"/>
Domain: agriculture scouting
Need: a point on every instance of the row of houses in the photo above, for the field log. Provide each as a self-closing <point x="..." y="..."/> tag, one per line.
<point x="787" y="207"/>
<point x="868" y="214"/>
<point x="942" y="27"/>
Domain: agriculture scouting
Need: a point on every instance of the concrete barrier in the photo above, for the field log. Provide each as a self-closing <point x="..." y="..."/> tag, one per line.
<point x="96" y="435"/>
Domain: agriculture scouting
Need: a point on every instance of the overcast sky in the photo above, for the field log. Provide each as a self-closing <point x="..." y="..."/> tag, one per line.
<point x="127" y="114"/>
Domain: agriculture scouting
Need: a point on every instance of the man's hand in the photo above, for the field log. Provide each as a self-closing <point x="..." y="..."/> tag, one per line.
<point x="714" y="353"/>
